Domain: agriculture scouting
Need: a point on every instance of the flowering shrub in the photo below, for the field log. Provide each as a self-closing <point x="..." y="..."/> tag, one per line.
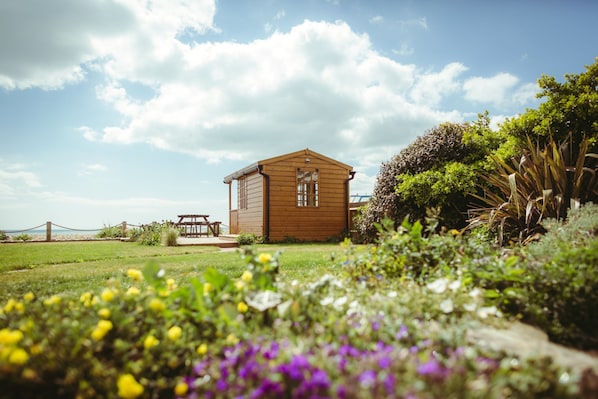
<point x="144" y="335"/>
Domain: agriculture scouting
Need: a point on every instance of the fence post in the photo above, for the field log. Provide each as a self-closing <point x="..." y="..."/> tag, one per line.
<point x="124" y="227"/>
<point x="48" y="231"/>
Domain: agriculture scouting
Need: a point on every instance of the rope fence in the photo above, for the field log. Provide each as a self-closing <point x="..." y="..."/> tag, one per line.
<point x="48" y="229"/>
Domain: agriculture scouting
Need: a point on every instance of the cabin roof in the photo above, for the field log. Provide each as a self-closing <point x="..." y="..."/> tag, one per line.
<point x="254" y="167"/>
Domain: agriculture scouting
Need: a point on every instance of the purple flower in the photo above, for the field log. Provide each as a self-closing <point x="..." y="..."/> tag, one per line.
<point x="320" y="379"/>
<point x="384" y="362"/>
<point x="266" y="387"/>
<point x="403" y="332"/>
<point x="431" y="367"/>
<point x="367" y="378"/>
<point x="272" y="353"/>
<point x="389" y="384"/>
<point x="221" y="385"/>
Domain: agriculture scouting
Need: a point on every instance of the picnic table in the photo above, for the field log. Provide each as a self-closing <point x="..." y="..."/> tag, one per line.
<point x="197" y="226"/>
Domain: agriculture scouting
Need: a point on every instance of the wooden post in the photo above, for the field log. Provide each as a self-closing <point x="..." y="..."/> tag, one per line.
<point x="48" y="231"/>
<point x="124" y="227"/>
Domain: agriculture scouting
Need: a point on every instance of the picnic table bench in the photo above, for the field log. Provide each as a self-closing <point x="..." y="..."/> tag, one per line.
<point x="197" y="226"/>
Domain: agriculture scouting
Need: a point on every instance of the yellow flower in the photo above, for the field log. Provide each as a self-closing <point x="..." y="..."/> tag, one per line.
<point x="10" y="305"/>
<point x="53" y="300"/>
<point x="135" y="274"/>
<point x="239" y="285"/>
<point x="107" y="295"/>
<point x="170" y="284"/>
<point x="36" y="349"/>
<point x="150" y="341"/>
<point x="265" y="257"/>
<point x="133" y="291"/>
<point x="157" y="305"/>
<point x="18" y="356"/>
<point x="231" y="339"/>
<point x="242" y="307"/>
<point x="104" y="313"/>
<point x="19" y="307"/>
<point x="181" y="389"/>
<point x="101" y="330"/>
<point x="247" y="276"/>
<point x="207" y="288"/>
<point x="86" y="297"/>
<point x="454" y="232"/>
<point x="128" y="387"/>
<point x="10" y="337"/>
<point x="202" y="349"/>
<point x="30" y="296"/>
<point x="174" y="333"/>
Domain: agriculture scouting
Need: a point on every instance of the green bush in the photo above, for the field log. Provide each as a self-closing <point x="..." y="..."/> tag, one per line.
<point x="111" y="232"/>
<point x="437" y="170"/>
<point x="543" y="183"/>
<point x="156" y="234"/>
<point x="249" y="239"/>
<point x="552" y="283"/>
<point x="23" y="237"/>
<point x="170" y="236"/>
<point x="406" y="253"/>
<point x="3" y="235"/>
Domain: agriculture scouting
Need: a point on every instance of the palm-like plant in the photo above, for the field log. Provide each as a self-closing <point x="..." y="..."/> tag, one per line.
<point x="542" y="183"/>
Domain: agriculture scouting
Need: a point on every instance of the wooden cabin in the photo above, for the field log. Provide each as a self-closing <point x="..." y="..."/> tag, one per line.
<point x="302" y="195"/>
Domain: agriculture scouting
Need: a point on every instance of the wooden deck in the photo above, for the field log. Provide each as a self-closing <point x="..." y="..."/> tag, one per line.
<point x="223" y="241"/>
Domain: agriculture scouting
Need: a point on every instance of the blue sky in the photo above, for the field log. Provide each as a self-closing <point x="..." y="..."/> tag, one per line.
<point x="135" y="110"/>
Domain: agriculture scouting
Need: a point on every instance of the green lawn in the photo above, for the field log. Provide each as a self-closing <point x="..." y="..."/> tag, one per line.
<point x="75" y="267"/>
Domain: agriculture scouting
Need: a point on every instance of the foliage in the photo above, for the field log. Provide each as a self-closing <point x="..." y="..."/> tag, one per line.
<point x="144" y="335"/>
<point x="568" y="108"/>
<point x="554" y="283"/>
<point x="542" y="183"/>
<point x="22" y="237"/>
<point x="3" y="236"/>
<point x="249" y="239"/>
<point x="405" y="253"/>
<point x="170" y="236"/>
<point x="436" y="170"/>
<point x="157" y="233"/>
<point x="111" y="232"/>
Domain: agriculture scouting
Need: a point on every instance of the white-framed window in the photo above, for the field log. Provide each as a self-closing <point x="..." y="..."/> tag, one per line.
<point x="308" y="188"/>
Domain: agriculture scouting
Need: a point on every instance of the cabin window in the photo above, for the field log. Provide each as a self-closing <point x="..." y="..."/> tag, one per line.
<point x="242" y="192"/>
<point x="307" y="188"/>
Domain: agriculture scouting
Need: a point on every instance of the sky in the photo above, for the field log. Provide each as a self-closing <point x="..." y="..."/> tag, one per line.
<point x="135" y="110"/>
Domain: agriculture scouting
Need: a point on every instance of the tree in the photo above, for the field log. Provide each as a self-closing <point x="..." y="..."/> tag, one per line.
<point x="571" y="108"/>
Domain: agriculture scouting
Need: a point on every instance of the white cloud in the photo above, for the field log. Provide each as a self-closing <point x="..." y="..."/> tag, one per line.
<point x="90" y="169"/>
<point x="421" y="22"/>
<point x="15" y="178"/>
<point x="376" y="19"/>
<point x="320" y="85"/>
<point x="432" y="87"/>
<point x="64" y="37"/>
<point x="494" y="90"/>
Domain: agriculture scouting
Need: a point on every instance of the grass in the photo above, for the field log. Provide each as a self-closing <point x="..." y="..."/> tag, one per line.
<point x="75" y="267"/>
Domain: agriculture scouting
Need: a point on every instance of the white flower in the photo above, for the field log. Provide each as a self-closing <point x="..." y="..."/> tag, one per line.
<point x="476" y="292"/>
<point x="392" y="294"/>
<point x="470" y="307"/>
<point x="327" y="301"/>
<point x="263" y="300"/>
<point x="438" y="286"/>
<point x="447" y="306"/>
<point x="487" y="311"/>
<point x="338" y="304"/>
<point x="455" y="285"/>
